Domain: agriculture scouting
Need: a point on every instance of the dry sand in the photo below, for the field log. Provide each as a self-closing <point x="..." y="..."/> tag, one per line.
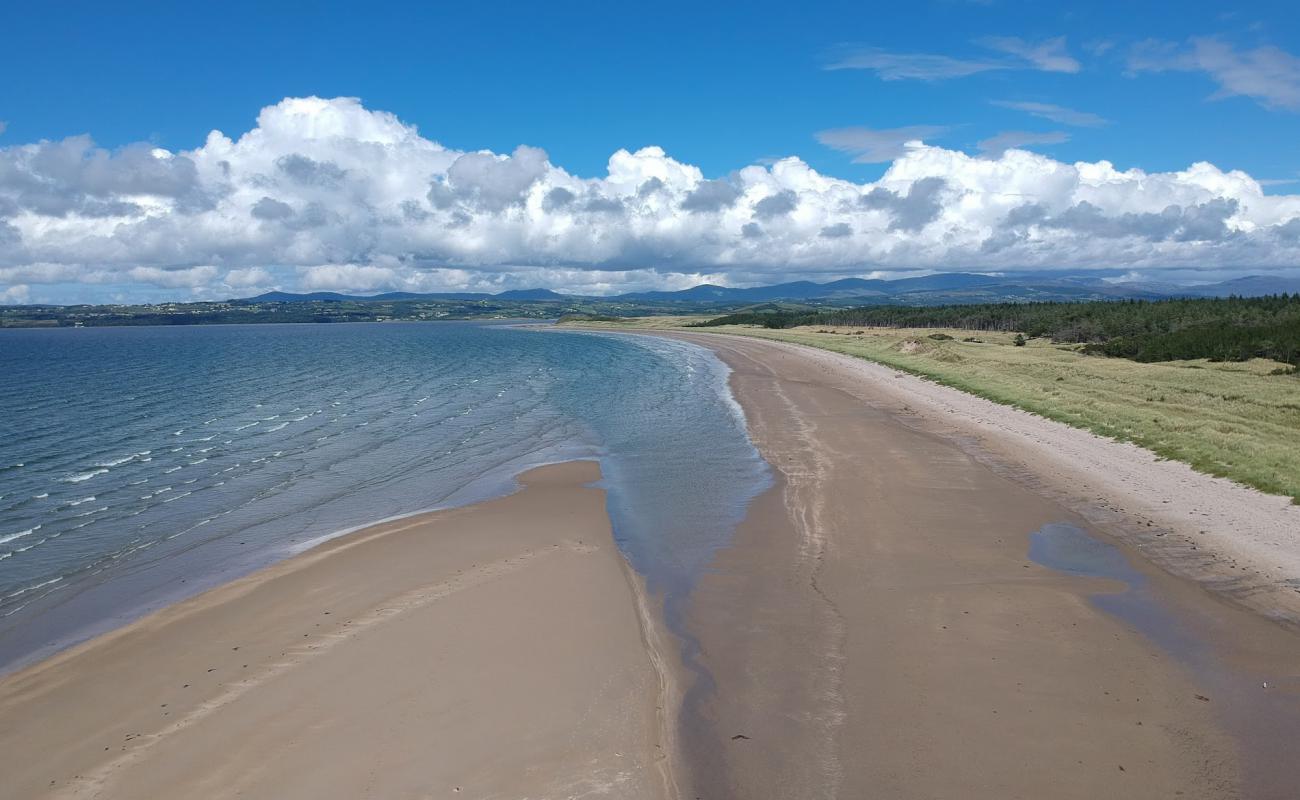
<point x="877" y="629"/>
<point x="495" y="650"/>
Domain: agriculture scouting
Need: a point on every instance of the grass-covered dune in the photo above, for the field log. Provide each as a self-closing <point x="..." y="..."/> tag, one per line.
<point x="1239" y="420"/>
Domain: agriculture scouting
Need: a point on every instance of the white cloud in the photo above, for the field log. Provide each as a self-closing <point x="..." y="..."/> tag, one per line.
<point x="877" y="145"/>
<point x="1049" y="55"/>
<point x="326" y="194"/>
<point x="187" y="278"/>
<point x="1008" y="140"/>
<point x="1055" y="113"/>
<point x="911" y="66"/>
<point x="252" y="276"/>
<point x="1266" y="74"/>
<point x="16" y="295"/>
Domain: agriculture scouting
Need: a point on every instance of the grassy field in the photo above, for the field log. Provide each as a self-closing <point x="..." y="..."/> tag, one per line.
<point x="1234" y="420"/>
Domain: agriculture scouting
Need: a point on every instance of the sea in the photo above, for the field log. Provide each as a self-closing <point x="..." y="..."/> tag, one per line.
<point x="142" y="465"/>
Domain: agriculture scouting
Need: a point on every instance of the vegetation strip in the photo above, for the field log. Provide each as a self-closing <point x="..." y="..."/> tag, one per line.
<point x="1219" y="329"/>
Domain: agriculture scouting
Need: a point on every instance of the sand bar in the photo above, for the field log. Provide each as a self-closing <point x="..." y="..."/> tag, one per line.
<point x="878" y="630"/>
<point x="494" y="650"/>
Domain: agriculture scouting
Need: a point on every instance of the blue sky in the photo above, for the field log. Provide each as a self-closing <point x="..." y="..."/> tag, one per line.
<point x="1153" y="86"/>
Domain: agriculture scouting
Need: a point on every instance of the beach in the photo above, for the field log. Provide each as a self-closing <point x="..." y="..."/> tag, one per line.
<point x="495" y="650"/>
<point x="879" y="629"/>
<point x="935" y="597"/>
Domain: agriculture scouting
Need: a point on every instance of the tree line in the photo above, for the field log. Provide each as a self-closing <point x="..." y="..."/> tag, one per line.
<point x="1218" y="328"/>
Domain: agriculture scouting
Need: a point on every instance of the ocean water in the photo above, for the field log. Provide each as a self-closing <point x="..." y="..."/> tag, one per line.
<point x="142" y="465"/>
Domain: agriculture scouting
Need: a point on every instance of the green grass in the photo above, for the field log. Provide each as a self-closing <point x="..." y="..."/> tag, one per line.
<point x="1232" y="419"/>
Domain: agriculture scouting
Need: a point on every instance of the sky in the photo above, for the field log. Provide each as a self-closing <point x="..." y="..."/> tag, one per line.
<point x="199" y="151"/>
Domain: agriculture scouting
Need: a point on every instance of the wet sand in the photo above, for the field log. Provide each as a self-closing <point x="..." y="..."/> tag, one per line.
<point x="879" y="630"/>
<point x="497" y="650"/>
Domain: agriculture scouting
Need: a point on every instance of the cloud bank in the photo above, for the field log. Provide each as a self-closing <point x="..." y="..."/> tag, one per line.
<point x="326" y="194"/>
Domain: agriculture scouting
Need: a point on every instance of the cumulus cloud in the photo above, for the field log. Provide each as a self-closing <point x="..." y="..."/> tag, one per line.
<point x="711" y="196"/>
<point x="189" y="278"/>
<point x="17" y="294"/>
<point x="244" y="278"/>
<point x="1267" y="74"/>
<point x="910" y="211"/>
<point x="326" y="194"/>
<point x="777" y="205"/>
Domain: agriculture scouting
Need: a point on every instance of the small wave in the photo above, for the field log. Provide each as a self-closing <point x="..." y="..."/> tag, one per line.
<point x="200" y="461"/>
<point x="72" y="503"/>
<point x="276" y="427"/>
<point x="20" y="534"/>
<point x="299" y="419"/>
<point x="170" y="470"/>
<point x="33" y="587"/>
<point x="84" y="476"/>
<point x="179" y="432"/>
<point x="92" y="511"/>
<point x="40" y="496"/>
<point x="178" y="496"/>
<point x="115" y="462"/>
<point x="249" y="425"/>
<point x="268" y="419"/>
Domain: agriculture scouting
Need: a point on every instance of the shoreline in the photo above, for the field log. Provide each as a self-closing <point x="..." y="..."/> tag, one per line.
<point x="851" y="625"/>
<point x="500" y="481"/>
<point x="1234" y="540"/>
<point x="590" y="705"/>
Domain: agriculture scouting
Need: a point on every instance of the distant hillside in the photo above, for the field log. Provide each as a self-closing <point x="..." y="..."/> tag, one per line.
<point x="939" y="289"/>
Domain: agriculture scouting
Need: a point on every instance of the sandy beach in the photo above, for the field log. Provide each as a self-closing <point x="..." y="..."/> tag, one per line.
<point x="495" y="650"/>
<point x="881" y="626"/>
<point x="878" y="629"/>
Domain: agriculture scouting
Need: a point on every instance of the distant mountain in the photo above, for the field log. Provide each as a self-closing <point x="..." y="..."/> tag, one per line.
<point x="942" y="288"/>
<point x="1249" y="286"/>
<point x="531" y="294"/>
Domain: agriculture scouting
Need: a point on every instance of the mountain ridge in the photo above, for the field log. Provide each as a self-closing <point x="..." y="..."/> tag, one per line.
<point x="1019" y="287"/>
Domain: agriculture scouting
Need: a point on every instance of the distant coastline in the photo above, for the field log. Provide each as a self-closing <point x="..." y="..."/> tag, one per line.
<point x="540" y="304"/>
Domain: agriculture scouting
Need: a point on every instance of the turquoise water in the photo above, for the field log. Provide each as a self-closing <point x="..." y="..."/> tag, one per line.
<point x="142" y="465"/>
